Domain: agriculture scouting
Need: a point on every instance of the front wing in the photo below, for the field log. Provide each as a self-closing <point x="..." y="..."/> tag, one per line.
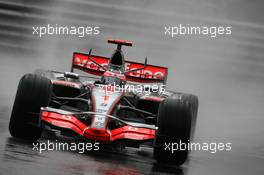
<point x="62" y="119"/>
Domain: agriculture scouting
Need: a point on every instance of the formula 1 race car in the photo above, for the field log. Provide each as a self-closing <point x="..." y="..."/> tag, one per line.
<point x="108" y="100"/>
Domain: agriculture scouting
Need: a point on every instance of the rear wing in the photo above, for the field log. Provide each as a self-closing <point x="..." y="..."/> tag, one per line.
<point x="151" y="73"/>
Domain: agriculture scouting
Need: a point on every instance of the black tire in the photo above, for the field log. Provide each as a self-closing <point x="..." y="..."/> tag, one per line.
<point x="176" y="124"/>
<point x="34" y="92"/>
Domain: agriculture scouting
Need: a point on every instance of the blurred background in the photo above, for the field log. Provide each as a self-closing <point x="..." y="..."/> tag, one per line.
<point x="226" y="72"/>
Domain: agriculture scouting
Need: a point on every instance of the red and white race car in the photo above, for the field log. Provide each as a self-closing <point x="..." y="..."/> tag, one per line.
<point x="119" y="101"/>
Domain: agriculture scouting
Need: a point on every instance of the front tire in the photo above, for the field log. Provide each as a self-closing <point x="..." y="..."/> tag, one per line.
<point x="176" y="123"/>
<point x="34" y="92"/>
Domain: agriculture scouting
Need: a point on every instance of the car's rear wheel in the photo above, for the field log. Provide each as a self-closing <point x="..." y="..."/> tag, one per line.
<point x="34" y="92"/>
<point x="176" y="123"/>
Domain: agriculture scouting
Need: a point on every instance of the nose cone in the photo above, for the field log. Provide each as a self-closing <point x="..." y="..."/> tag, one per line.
<point x="103" y="136"/>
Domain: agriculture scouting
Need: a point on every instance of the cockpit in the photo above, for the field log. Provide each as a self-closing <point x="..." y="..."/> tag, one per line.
<point x="112" y="80"/>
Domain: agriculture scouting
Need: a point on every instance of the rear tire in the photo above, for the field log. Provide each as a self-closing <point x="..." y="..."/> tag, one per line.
<point x="34" y="92"/>
<point x="176" y="125"/>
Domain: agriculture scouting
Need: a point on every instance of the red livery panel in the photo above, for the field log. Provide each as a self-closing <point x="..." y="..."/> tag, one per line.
<point x="150" y="74"/>
<point x="72" y="123"/>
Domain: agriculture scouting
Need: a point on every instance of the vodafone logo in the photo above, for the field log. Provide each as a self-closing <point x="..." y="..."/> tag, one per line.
<point x="150" y="72"/>
<point x="130" y="128"/>
<point x="89" y="64"/>
<point x="66" y="117"/>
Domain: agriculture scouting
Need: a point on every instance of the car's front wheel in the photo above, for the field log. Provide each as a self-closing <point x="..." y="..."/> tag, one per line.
<point x="176" y="122"/>
<point x="34" y="92"/>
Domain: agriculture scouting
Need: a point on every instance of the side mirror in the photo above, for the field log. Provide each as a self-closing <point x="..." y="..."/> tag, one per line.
<point x="72" y="75"/>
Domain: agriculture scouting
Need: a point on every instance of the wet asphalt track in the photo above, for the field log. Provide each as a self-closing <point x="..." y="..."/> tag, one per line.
<point x="227" y="73"/>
